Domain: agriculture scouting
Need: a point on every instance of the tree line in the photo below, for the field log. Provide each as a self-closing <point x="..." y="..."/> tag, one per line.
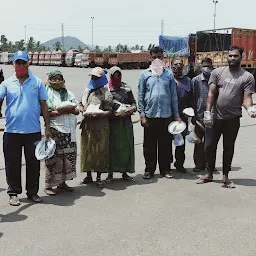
<point x="33" y="45"/>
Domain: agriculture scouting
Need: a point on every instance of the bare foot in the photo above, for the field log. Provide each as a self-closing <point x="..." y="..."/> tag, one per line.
<point x="205" y="179"/>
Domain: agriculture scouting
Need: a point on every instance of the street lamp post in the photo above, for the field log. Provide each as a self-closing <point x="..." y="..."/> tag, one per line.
<point x="25" y="37"/>
<point x="92" y="31"/>
<point x="214" y="15"/>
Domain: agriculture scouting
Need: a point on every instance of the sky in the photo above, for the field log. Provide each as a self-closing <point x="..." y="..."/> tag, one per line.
<point x="128" y="22"/>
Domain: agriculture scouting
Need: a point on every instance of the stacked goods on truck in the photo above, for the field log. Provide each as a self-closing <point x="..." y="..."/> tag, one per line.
<point x="41" y="58"/>
<point x="102" y="60"/>
<point x="30" y="57"/>
<point x="183" y="47"/>
<point x="130" y="60"/>
<point x="215" y="44"/>
<point x="91" y="60"/>
<point x="4" y="58"/>
<point x="35" y="58"/>
<point x="47" y="58"/>
<point x="70" y="57"/>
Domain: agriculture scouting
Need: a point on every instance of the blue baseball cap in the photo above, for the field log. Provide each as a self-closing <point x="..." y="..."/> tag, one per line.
<point x="20" y="55"/>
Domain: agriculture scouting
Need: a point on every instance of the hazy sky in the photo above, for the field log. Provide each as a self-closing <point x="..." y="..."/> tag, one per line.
<point x="116" y="21"/>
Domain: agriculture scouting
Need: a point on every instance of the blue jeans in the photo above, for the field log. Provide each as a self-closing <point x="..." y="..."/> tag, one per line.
<point x="12" y="147"/>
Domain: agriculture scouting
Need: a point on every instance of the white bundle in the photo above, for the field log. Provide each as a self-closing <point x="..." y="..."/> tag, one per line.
<point x="45" y="149"/>
<point x="66" y="104"/>
<point x="93" y="109"/>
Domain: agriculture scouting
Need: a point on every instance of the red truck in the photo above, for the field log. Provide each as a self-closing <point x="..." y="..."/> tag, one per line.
<point x="130" y="60"/>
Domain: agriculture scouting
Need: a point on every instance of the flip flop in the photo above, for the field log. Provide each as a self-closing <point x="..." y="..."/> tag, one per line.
<point x="203" y="180"/>
<point x="229" y="184"/>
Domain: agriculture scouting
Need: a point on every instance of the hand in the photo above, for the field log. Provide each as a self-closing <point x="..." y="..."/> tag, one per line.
<point x="144" y="122"/>
<point x="129" y="111"/>
<point x="252" y="112"/>
<point x="48" y="133"/>
<point x="117" y="114"/>
<point x="208" y="119"/>
<point x="178" y="119"/>
<point x="66" y="111"/>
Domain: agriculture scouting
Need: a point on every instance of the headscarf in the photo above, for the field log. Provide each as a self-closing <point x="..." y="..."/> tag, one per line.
<point x="100" y="82"/>
<point x="58" y="86"/>
<point x="115" y="82"/>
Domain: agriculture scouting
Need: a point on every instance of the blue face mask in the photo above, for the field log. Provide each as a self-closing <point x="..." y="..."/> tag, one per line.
<point x="206" y="71"/>
<point x="95" y="84"/>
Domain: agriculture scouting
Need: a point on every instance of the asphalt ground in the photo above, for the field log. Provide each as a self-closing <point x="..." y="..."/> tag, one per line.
<point x="142" y="218"/>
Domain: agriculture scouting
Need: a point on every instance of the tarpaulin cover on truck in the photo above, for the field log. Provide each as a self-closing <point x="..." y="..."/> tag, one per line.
<point x="175" y="45"/>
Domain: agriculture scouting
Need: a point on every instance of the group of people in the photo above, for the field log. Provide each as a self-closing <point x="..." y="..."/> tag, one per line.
<point x="106" y="105"/>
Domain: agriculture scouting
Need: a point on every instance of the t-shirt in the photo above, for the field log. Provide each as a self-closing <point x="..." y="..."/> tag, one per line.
<point x="231" y="87"/>
<point x="22" y="104"/>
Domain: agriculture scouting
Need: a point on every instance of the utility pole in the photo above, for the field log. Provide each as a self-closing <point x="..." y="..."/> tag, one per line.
<point x="92" y="31"/>
<point x="62" y="35"/>
<point x="214" y="15"/>
<point x="25" y="37"/>
<point x="162" y="27"/>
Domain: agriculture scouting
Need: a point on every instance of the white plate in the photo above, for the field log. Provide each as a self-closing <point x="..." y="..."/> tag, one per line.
<point x="176" y="127"/>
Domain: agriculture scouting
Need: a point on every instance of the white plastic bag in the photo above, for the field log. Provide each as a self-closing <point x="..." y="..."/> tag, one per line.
<point x="192" y="138"/>
<point x="93" y="109"/>
<point x="66" y="104"/>
<point x="178" y="140"/>
<point x="45" y="149"/>
<point x="191" y="127"/>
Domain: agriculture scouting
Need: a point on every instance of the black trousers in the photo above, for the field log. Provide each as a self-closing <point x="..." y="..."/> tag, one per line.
<point x="12" y="147"/>
<point x="229" y="130"/>
<point x="199" y="154"/>
<point x="157" y="145"/>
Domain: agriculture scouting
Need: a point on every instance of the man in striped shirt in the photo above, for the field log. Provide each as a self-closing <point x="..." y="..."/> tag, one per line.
<point x="200" y="92"/>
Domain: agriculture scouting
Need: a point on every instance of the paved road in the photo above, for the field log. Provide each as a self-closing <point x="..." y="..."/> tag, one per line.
<point x="145" y="218"/>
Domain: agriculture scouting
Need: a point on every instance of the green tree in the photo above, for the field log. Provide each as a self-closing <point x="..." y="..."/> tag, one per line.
<point x="79" y="48"/>
<point x="119" y="48"/>
<point x="142" y="48"/>
<point x="20" y="45"/>
<point x="126" y="49"/>
<point x="4" y="43"/>
<point x="97" y="48"/>
<point x="57" y="46"/>
<point x="150" y="46"/>
<point x="31" y="44"/>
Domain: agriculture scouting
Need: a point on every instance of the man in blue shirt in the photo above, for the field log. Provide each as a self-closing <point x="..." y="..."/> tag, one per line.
<point x="158" y="104"/>
<point x="25" y="99"/>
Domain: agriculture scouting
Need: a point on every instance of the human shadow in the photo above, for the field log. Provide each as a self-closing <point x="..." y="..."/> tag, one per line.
<point x="1" y="235"/>
<point x="68" y="198"/>
<point x="2" y="189"/>
<point x="15" y="216"/>
<point x="236" y="169"/>
<point x="245" y="182"/>
<point x="118" y="184"/>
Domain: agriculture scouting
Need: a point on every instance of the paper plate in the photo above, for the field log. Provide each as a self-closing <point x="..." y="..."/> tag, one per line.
<point x="176" y="127"/>
<point x="189" y="112"/>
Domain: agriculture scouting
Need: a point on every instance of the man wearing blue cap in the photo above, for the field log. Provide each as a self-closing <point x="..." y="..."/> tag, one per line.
<point x="25" y="99"/>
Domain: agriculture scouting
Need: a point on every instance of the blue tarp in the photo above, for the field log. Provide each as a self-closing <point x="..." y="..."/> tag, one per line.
<point x="175" y="45"/>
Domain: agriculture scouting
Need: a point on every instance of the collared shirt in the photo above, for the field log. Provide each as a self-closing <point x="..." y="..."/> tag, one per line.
<point x="22" y="104"/>
<point x="200" y="94"/>
<point x="157" y="96"/>
<point x="184" y="93"/>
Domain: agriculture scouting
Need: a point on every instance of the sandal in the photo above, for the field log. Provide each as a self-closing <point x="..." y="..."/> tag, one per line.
<point x="50" y="192"/>
<point x="168" y="175"/>
<point x="204" y="179"/>
<point x="65" y="187"/>
<point x="86" y="180"/>
<point x="229" y="184"/>
<point x="126" y="177"/>
<point x="147" y="176"/>
<point x="99" y="183"/>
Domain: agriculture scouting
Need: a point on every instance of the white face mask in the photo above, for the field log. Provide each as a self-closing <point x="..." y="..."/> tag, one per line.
<point x="157" y="67"/>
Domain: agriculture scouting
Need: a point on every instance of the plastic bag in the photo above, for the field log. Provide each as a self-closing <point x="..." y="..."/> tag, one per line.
<point x="178" y="140"/>
<point x="191" y="127"/>
<point x="192" y="138"/>
<point x="45" y="149"/>
<point x="93" y="109"/>
<point x="66" y="104"/>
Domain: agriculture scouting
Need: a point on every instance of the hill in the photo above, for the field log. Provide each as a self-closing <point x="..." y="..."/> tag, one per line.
<point x="69" y="42"/>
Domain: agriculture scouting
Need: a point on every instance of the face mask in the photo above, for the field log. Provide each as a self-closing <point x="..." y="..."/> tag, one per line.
<point x="157" y="67"/>
<point x="57" y="85"/>
<point x="206" y="71"/>
<point x="177" y="71"/>
<point x="21" y="70"/>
